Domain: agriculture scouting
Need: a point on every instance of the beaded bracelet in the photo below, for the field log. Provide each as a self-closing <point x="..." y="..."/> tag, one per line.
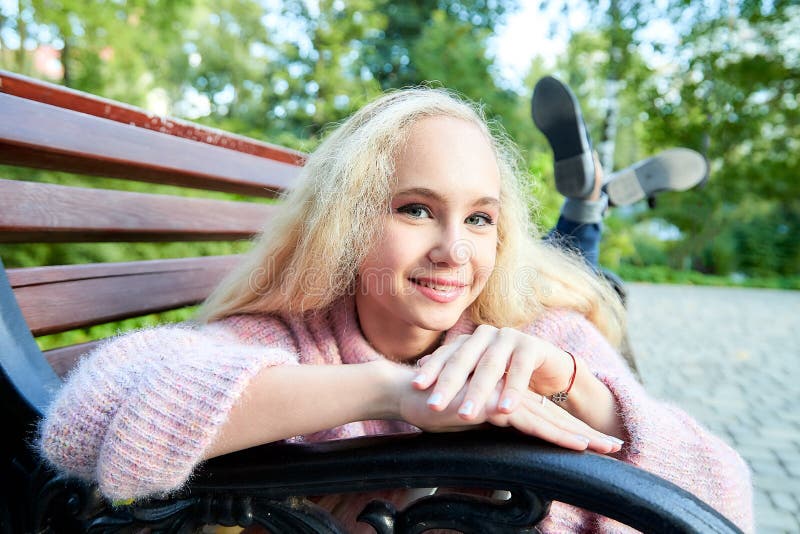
<point x="561" y="396"/>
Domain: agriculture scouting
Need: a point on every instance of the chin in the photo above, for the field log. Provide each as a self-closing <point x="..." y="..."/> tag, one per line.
<point x="440" y="320"/>
<point x="438" y="326"/>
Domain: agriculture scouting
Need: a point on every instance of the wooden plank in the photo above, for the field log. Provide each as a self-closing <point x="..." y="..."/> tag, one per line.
<point x="34" y="212"/>
<point x="39" y="135"/>
<point x="63" y="97"/>
<point x="63" y="359"/>
<point x="60" y="298"/>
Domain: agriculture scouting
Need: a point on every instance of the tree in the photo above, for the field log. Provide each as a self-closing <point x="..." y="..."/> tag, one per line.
<point x="328" y="74"/>
<point x="105" y="47"/>
<point x="390" y="61"/>
<point x="736" y="98"/>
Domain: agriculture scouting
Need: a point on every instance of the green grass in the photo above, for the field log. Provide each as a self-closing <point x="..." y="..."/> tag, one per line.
<point x="101" y="331"/>
<point x="659" y="274"/>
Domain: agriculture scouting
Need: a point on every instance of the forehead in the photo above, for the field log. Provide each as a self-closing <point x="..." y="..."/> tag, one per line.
<point x="449" y="155"/>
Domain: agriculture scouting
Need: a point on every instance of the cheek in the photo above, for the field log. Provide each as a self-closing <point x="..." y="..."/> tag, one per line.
<point x="484" y="261"/>
<point x="486" y="252"/>
<point x="386" y="262"/>
<point x="400" y="246"/>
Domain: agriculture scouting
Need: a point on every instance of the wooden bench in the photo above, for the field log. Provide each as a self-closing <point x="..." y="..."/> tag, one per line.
<point x="48" y="127"/>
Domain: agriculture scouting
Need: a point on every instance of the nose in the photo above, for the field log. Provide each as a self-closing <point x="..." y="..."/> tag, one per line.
<point x="452" y="247"/>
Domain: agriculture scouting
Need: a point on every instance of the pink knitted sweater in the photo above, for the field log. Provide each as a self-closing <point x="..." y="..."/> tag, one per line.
<point x="137" y="414"/>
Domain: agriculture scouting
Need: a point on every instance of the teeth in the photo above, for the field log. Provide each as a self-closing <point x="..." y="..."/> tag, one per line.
<point x="437" y="287"/>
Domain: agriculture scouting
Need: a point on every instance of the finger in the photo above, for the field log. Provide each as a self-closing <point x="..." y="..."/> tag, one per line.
<point x="598" y="441"/>
<point x="534" y="425"/>
<point x="434" y="362"/>
<point x="523" y="363"/>
<point x="424" y="359"/>
<point x="459" y="366"/>
<point x="489" y="371"/>
<point x="562" y="419"/>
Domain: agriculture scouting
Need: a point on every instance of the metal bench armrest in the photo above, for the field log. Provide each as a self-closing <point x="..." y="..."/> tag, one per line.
<point x="262" y="484"/>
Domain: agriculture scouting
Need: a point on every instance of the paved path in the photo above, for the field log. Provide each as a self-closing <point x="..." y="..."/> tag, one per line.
<point x="731" y="358"/>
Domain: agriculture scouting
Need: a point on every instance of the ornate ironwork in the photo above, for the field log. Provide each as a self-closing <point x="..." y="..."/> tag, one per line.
<point x="465" y="513"/>
<point x="293" y="514"/>
<point x="61" y="503"/>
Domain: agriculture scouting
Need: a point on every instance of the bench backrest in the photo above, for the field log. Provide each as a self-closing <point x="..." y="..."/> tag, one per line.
<point x="46" y="126"/>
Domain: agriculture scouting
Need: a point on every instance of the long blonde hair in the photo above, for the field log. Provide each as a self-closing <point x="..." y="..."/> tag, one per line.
<point x="308" y="256"/>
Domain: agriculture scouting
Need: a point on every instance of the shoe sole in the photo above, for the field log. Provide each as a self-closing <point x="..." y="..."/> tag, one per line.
<point x="676" y="169"/>
<point x="556" y="112"/>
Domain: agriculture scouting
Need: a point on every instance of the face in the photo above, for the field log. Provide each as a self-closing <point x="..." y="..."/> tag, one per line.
<point x="440" y="237"/>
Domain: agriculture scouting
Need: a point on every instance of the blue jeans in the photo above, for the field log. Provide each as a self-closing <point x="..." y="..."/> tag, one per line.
<point x="583" y="237"/>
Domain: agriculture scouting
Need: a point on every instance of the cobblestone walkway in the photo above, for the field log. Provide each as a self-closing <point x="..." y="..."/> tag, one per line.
<point x="731" y="358"/>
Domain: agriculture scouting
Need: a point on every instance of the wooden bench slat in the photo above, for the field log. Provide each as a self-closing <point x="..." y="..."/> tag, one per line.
<point x="60" y="298"/>
<point x="63" y="97"/>
<point x="63" y="359"/>
<point x="39" y="135"/>
<point x="35" y="212"/>
<point x="56" y="274"/>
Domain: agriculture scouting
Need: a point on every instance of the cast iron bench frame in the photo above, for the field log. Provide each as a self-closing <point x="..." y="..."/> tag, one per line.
<point x="50" y="127"/>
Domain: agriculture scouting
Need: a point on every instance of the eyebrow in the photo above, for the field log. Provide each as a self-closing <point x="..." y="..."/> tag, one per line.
<point x="425" y="192"/>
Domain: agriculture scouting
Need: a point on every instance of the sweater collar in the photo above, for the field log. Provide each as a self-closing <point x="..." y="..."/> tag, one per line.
<point x="354" y="346"/>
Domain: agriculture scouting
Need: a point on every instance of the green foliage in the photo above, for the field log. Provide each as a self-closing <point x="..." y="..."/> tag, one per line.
<point x="391" y="59"/>
<point x="660" y="274"/>
<point x="82" y="335"/>
<point x="736" y="101"/>
<point x="453" y="53"/>
<point x="619" y="245"/>
<point x="759" y="239"/>
<point x="106" y="48"/>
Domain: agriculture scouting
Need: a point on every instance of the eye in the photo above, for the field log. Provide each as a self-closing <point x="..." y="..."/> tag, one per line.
<point x="479" y="219"/>
<point x="415" y="211"/>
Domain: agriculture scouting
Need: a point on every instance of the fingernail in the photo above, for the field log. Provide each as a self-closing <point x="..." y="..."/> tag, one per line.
<point x="466" y="408"/>
<point x="419" y="379"/>
<point x="582" y="438"/>
<point x="506" y="403"/>
<point x="434" y="399"/>
<point x="615" y="441"/>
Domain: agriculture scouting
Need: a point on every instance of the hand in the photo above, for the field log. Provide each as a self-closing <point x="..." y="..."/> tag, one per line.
<point x="544" y="420"/>
<point x="487" y="357"/>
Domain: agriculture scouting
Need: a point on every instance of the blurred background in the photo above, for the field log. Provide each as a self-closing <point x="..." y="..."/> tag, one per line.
<point x="719" y="76"/>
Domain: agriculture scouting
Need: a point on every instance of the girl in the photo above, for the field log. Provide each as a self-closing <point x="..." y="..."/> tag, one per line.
<point x="408" y="237"/>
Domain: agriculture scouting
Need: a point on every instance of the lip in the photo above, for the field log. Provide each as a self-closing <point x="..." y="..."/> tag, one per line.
<point x="439" y="281"/>
<point x="454" y="289"/>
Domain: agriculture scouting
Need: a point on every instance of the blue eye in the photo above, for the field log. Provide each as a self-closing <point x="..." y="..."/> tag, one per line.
<point x="415" y="211"/>
<point x="479" y="219"/>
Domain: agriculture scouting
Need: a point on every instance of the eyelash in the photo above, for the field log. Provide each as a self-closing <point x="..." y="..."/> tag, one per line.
<point x="410" y="207"/>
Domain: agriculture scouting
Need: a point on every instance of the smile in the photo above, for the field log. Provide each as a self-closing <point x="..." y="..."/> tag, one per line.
<point x="441" y="291"/>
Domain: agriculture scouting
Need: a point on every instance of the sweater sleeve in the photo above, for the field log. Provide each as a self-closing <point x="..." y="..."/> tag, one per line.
<point x="661" y="438"/>
<point x="138" y="413"/>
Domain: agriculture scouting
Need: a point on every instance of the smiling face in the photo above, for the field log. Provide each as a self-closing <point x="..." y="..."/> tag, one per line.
<point x="439" y="241"/>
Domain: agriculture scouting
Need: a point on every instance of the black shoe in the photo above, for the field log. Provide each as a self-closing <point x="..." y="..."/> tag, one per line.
<point x="556" y="112"/>
<point x="675" y="169"/>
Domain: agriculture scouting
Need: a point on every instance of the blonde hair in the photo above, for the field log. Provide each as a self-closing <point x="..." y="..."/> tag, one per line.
<point x="308" y="256"/>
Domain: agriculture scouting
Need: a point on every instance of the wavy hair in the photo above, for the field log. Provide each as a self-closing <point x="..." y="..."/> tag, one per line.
<point x="308" y="255"/>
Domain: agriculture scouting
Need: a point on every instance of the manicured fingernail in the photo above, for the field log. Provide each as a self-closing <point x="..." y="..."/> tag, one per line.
<point x="419" y="379"/>
<point x="615" y="441"/>
<point x="466" y="408"/>
<point x="435" y="399"/>
<point x="582" y="438"/>
<point x="506" y="403"/>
